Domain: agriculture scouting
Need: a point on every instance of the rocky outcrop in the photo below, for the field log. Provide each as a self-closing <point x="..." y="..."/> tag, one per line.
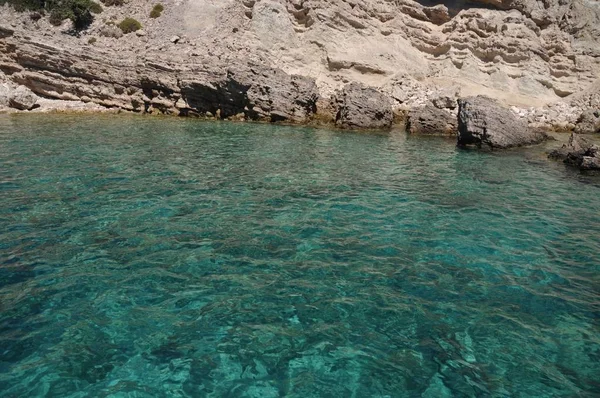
<point x="431" y="120"/>
<point x="588" y="122"/>
<point x="484" y="122"/>
<point x="361" y="107"/>
<point x="578" y="152"/>
<point x="22" y="98"/>
<point x="534" y="55"/>
<point x="248" y="91"/>
<point x="254" y="92"/>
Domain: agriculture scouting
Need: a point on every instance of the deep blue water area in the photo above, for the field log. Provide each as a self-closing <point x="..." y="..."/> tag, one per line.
<point x="165" y="257"/>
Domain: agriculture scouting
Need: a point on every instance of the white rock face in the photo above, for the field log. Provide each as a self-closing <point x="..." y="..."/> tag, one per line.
<point x="531" y="54"/>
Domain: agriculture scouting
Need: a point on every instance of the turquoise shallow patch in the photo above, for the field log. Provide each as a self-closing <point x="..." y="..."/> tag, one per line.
<point x="148" y="257"/>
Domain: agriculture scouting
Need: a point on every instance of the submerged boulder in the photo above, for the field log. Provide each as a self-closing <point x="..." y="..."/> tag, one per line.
<point x="578" y="152"/>
<point x="22" y="98"/>
<point x="361" y="107"/>
<point x="430" y="120"/>
<point x="482" y="121"/>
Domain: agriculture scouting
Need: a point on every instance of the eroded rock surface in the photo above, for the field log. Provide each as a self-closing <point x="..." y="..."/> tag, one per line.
<point x="588" y="122"/>
<point x="361" y="107"/>
<point x="22" y="98"/>
<point x="431" y="120"/>
<point x="482" y="121"/>
<point x="534" y="56"/>
<point x="578" y="152"/>
<point x="256" y="92"/>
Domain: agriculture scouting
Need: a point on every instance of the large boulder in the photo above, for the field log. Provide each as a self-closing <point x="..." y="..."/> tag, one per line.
<point x="578" y="152"/>
<point x="482" y="121"/>
<point x="588" y="122"/>
<point x="278" y="96"/>
<point x="361" y="107"/>
<point x="430" y="120"/>
<point x="22" y="98"/>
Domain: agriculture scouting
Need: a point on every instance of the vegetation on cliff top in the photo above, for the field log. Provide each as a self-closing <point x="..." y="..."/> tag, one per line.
<point x="78" y="11"/>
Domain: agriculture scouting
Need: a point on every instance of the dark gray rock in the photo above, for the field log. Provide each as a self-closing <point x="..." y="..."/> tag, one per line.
<point x="257" y="92"/>
<point x="588" y="122"/>
<point x="591" y="162"/>
<point x="578" y="152"/>
<point x="484" y="122"/>
<point x="576" y="145"/>
<point x="360" y="107"/>
<point x="22" y="98"/>
<point x="430" y="120"/>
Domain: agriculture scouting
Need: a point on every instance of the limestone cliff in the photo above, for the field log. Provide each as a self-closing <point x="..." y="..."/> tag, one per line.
<point x="283" y="59"/>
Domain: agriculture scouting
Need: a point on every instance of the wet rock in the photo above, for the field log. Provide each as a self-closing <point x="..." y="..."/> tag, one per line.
<point x="578" y="152"/>
<point x="361" y="107"/>
<point x="588" y="122"/>
<point x="482" y="121"/>
<point x="576" y="145"/>
<point x="22" y="98"/>
<point x="431" y="121"/>
<point x="591" y="162"/>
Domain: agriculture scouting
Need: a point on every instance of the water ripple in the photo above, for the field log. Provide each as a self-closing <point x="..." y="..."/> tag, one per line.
<point x="147" y="257"/>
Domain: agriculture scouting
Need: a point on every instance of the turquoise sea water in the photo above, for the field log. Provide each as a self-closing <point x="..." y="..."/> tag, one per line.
<point x="148" y="257"/>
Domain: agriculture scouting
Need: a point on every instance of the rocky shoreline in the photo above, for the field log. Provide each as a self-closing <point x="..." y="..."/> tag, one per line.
<point x="253" y="71"/>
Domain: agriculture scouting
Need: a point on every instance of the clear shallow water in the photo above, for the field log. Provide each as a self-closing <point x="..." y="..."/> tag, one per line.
<point x="144" y="257"/>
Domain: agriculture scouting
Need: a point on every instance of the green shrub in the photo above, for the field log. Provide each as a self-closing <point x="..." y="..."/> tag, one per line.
<point x="129" y="25"/>
<point x="96" y="8"/>
<point x="56" y="18"/>
<point x="23" y="5"/>
<point x="157" y="11"/>
<point x="78" y="11"/>
<point x="91" y="40"/>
